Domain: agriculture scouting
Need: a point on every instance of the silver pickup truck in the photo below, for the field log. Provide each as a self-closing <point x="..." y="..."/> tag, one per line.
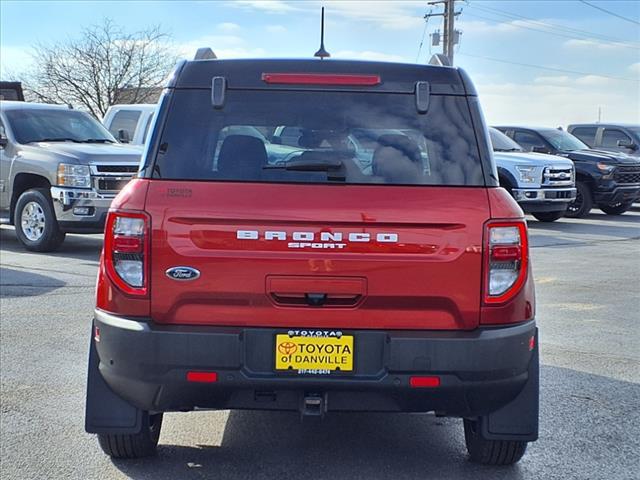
<point x="543" y="185"/>
<point x="59" y="170"/>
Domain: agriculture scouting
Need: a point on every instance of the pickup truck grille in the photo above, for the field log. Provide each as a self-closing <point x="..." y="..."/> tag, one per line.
<point x="557" y="177"/>
<point x="116" y="168"/>
<point x="110" y="179"/>
<point x="110" y="185"/>
<point x="627" y="175"/>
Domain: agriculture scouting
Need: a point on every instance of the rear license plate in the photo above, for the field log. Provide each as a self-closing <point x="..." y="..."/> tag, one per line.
<point x="314" y="353"/>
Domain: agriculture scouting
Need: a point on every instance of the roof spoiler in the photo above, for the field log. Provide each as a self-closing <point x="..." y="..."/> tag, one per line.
<point x="440" y="60"/>
<point x="205" y="53"/>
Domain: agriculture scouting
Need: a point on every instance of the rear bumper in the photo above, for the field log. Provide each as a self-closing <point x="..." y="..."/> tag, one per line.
<point x="480" y="371"/>
<point x="618" y="195"/>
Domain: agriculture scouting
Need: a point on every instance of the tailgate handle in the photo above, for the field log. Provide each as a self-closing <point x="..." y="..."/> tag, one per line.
<point x="316" y="299"/>
<point x="303" y="291"/>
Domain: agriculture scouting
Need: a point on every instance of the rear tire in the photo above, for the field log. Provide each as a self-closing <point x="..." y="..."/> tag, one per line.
<point x="583" y="203"/>
<point x="616" y="208"/>
<point x="35" y="221"/>
<point x="491" y="452"/>
<point x="138" y="445"/>
<point x="548" y="216"/>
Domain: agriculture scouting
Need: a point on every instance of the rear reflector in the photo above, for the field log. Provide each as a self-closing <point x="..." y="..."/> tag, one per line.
<point x="320" y="79"/>
<point x="424" y="382"/>
<point x="505" y="253"/>
<point x="202" y="377"/>
<point x="123" y="244"/>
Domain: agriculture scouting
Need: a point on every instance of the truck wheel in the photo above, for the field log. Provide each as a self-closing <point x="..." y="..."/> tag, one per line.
<point x="581" y="206"/>
<point x="616" y="208"/>
<point x="548" y="216"/>
<point x="491" y="452"/>
<point x="35" y="221"/>
<point x="138" y="445"/>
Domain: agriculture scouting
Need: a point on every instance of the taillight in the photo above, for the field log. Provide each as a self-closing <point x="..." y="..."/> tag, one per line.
<point x="126" y="251"/>
<point x="506" y="260"/>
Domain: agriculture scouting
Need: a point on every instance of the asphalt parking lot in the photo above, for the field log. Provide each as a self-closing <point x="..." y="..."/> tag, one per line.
<point x="587" y="274"/>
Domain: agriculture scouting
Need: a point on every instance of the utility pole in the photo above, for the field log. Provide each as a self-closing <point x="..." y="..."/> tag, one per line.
<point x="450" y="34"/>
<point x="449" y="30"/>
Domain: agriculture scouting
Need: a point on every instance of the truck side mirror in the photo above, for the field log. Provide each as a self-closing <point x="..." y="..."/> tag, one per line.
<point x="627" y="144"/>
<point x="3" y="138"/>
<point x="123" y="136"/>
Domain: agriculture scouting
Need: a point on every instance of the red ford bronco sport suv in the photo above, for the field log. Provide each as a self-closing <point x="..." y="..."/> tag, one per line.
<point x="316" y="236"/>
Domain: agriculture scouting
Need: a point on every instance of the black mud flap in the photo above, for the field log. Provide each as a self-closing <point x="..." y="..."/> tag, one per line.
<point x="517" y="420"/>
<point x="106" y="412"/>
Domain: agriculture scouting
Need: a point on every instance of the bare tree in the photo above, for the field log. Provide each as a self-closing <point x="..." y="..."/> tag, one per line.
<point x="103" y="67"/>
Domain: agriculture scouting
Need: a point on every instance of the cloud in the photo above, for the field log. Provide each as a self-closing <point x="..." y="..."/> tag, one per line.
<point x="224" y="46"/>
<point x="228" y="27"/>
<point x="369" y="55"/>
<point x="559" y="100"/>
<point x="268" y="6"/>
<point x="635" y="68"/>
<point x="275" y="29"/>
<point x="588" y="44"/>
<point x="480" y="27"/>
<point x="587" y="80"/>
<point x="553" y="80"/>
<point x="396" y="15"/>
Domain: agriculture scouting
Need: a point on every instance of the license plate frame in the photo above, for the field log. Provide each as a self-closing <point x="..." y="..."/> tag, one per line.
<point x="314" y="353"/>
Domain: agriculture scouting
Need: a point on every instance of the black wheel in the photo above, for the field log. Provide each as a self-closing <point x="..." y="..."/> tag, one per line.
<point x="143" y="444"/>
<point x="615" y="208"/>
<point x="548" y="216"/>
<point x="581" y="206"/>
<point x="491" y="452"/>
<point x="35" y="221"/>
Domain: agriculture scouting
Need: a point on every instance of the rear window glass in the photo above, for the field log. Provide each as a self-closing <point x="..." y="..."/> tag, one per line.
<point x="319" y="137"/>
<point x="126" y="120"/>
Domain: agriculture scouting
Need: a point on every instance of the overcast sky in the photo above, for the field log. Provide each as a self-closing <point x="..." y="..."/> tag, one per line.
<point x="538" y="62"/>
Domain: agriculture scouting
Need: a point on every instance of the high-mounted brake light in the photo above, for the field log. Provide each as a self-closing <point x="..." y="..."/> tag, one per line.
<point x="321" y="79"/>
<point x="506" y="260"/>
<point x="126" y="251"/>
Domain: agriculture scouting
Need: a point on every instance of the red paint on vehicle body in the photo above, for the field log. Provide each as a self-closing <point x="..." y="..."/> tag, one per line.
<point x="432" y="278"/>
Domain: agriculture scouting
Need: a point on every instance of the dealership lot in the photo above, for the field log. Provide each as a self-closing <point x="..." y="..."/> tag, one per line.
<point x="587" y="274"/>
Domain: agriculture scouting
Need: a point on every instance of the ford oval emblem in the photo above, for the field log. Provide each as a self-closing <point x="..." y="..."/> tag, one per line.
<point x="182" y="273"/>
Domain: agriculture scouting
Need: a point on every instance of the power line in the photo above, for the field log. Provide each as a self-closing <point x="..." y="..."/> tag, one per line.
<point x="572" y="37"/>
<point x="554" y="26"/>
<point x="424" y="32"/>
<point x="610" y="12"/>
<point x="542" y="67"/>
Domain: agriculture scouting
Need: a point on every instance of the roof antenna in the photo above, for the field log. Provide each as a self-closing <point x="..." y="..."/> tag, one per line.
<point x="322" y="53"/>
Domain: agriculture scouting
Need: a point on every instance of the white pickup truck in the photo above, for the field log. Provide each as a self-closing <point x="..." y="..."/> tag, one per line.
<point x="130" y="123"/>
<point x="543" y="185"/>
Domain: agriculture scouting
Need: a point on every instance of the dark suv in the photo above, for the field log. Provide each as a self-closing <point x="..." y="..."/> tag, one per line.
<point x="316" y="236"/>
<point x="612" y="137"/>
<point x="609" y="180"/>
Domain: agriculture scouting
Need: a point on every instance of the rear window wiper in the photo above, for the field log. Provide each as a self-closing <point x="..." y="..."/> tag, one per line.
<point x="334" y="167"/>
<point x="308" y="165"/>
